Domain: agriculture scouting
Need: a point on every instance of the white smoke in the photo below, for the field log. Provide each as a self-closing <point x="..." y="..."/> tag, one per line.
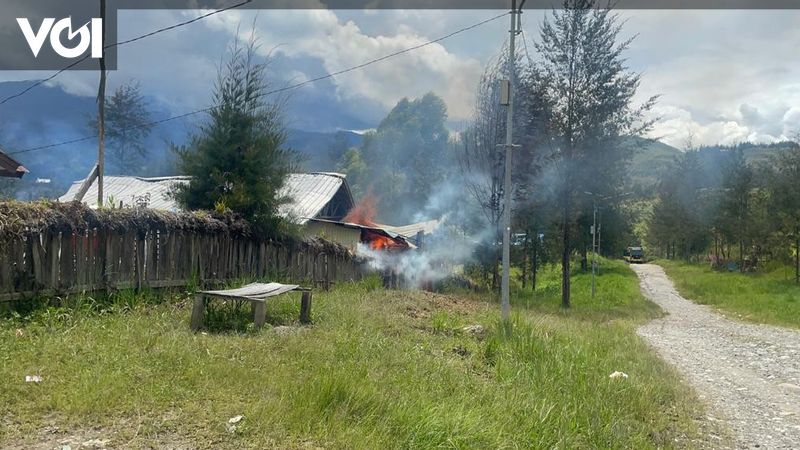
<point x="442" y="255"/>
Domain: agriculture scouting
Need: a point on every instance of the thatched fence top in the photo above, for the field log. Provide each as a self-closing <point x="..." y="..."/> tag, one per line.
<point x="69" y="247"/>
<point x="18" y="218"/>
<point x="22" y="218"/>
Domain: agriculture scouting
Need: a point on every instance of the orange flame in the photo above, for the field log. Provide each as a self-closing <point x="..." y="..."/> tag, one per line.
<point x="383" y="243"/>
<point x="364" y="212"/>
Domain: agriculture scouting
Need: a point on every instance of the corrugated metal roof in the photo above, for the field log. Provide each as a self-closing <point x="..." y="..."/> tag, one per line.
<point x="130" y="191"/>
<point x="411" y="230"/>
<point x="255" y="291"/>
<point x="309" y="192"/>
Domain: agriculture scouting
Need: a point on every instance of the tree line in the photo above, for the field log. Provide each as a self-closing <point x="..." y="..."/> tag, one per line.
<point x="574" y="124"/>
<point x="721" y="206"/>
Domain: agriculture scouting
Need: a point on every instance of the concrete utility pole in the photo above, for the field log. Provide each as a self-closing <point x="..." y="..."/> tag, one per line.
<point x="505" y="290"/>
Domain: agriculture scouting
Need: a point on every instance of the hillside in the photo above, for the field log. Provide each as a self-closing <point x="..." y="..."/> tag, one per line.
<point x="652" y="157"/>
<point x="49" y="115"/>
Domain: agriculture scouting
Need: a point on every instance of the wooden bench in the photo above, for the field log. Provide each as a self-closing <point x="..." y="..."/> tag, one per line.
<point x="255" y="293"/>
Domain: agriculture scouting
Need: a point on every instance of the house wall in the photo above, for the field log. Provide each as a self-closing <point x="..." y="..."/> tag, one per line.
<point x="345" y="236"/>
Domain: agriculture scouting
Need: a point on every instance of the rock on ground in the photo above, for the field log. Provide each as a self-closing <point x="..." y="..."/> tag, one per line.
<point x="748" y="374"/>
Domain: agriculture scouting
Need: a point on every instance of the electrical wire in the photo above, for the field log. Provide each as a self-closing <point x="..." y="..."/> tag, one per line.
<point x="525" y="45"/>
<point x="283" y="89"/>
<point x="118" y="44"/>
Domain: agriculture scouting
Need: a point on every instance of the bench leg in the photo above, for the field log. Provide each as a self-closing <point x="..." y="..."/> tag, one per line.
<point x="259" y="313"/>
<point x="305" y="308"/>
<point x="197" y="312"/>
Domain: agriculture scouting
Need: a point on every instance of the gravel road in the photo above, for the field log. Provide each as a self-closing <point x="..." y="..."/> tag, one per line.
<point x="748" y="374"/>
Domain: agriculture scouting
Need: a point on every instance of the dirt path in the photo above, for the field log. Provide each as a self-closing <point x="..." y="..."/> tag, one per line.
<point x="748" y="374"/>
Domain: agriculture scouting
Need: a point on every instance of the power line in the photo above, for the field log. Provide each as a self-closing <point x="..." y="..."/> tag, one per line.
<point x="525" y="44"/>
<point x="117" y="44"/>
<point x="279" y="90"/>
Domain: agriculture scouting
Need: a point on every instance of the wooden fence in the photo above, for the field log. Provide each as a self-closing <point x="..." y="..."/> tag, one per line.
<point x="60" y="262"/>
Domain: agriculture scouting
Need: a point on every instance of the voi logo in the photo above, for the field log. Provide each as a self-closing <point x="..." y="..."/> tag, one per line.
<point x="91" y="35"/>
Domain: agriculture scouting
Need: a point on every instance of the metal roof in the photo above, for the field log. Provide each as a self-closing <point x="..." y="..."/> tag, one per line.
<point x="9" y="167"/>
<point x="130" y="191"/>
<point x="411" y="230"/>
<point x="309" y="192"/>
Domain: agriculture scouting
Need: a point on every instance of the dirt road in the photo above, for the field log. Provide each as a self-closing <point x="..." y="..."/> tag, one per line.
<point x="748" y="374"/>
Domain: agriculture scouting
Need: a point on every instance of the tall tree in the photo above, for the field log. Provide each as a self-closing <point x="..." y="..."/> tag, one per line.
<point x="737" y="183"/>
<point x="481" y="158"/>
<point x="238" y="160"/>
<point x="785" y="198"/>
<point x="127" y="127"/>
<point x="679" y="222"/>
<point x="591" y="92"/>
<point x="407" y="156"/>
<point x="352" y="164"/>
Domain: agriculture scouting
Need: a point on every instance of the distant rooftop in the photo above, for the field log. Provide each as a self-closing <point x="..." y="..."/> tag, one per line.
<point x="130" y="191"/>
<point x="323" y="195"/>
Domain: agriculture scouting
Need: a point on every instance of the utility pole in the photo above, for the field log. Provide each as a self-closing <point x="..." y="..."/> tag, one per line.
<point x="505" y="290"/>
<point x="101" y="116"/>
<point x="599" y="234"/>
<point x="594" y="234"/>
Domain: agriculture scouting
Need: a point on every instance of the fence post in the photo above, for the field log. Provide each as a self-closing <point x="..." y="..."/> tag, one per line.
<point x="305" y="308"/>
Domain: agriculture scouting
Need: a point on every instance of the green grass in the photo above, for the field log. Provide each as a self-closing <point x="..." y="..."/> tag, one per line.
<point x="768" y="297"/>
<point x="379" y="369"/>
<point x="617" y="294"/>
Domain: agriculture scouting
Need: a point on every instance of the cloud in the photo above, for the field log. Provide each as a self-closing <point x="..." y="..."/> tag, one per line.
<point x="729" y="79"/>
<point x="342" y="44"/>
<point x="724" y="76"/>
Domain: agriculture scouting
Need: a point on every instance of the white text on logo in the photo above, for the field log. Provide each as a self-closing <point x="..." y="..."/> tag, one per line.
<point x="89" y="36"/>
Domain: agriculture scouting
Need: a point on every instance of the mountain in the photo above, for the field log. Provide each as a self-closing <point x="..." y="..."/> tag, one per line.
<point x="651" y="158"/>
<point x="48" y="114"/>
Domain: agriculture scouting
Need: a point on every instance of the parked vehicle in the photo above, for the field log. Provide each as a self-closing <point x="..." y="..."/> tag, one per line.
<point x="634" y="255"/>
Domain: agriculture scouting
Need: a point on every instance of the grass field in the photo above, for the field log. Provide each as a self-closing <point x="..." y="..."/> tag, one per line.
<point x="769" y="297"/>
<point x="378" y="369"/>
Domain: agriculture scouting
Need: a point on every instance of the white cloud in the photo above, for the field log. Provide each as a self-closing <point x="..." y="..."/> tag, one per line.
<point x="342" y="44"/>
<point x="732" y="79"/>
<point x="724" y="76"/>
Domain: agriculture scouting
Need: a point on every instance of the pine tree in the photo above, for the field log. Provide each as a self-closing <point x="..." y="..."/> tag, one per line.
<point x="784" y="195"/>
<point x="238" y="160"/>
<point x="127" y="127"/>
<point x="737" y="182"/>
<point x="591" y="93"/>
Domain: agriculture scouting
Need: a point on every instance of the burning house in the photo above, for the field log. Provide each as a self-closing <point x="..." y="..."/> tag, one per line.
<point x="351" y="235"/>
<point x="320" y="202"/>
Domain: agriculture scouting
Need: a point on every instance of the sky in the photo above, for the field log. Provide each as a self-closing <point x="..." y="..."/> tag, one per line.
<point x="723" y="76"/>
